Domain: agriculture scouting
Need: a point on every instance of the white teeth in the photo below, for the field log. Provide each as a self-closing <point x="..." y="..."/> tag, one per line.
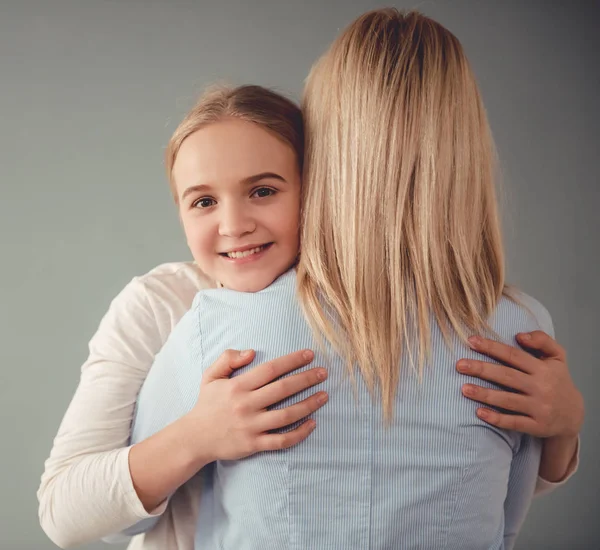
<point x="245" y="252"/>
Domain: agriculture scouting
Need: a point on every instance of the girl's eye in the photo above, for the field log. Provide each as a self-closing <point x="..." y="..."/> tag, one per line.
<point x="204" y="202"/>
<point x="264" y="192"/>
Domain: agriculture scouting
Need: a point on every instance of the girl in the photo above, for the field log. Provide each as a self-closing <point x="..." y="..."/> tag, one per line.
<point x="90" y="449"/>
<point x="257" y="150"/>
<point x="395" y="470"/>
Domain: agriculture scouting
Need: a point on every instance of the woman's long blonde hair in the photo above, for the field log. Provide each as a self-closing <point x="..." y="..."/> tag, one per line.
<point x="400" y="218"/>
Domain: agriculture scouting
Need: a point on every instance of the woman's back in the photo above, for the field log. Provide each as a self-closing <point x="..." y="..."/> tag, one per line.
<point x="436" y="477"/>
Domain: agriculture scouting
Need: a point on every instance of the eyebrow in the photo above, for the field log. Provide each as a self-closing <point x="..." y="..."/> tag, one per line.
<point x="246" y="181"/>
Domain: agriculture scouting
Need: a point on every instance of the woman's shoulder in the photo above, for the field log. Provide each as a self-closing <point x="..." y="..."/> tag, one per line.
<point x="518" y="307"/>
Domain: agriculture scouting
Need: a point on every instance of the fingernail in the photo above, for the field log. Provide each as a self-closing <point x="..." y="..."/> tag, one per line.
<point x="474" y="340"/>
<point x="482" y="413"/>
<point x="322" y="399"/>
<point x="525" y="336"/>
<point x="322" y="374"/>
<point x="308" y="355"/>
<point x="463" y="366"/>
<point x="469" y="390"/>
<point x="312" y="424"/>
<point x="245" y="353"/>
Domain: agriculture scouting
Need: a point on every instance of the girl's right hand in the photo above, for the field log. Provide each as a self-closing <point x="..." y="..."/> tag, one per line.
<point x="231" y="419"/>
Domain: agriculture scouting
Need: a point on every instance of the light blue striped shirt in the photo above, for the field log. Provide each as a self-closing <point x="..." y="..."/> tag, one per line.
<point x="436" y="478"/>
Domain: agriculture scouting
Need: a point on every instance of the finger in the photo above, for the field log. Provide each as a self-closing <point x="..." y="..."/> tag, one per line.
<point x="497" y="398"/>
<point x="274" y="442"/>
<point x="227" y="363"/>
<point x="514" y="422"/>
<point x="271" y="370"/>
<point x="540" y="341"/>
<point x="499" y="374"/>
<point x="506" y="354"/>
<point x="272" y="420"/>
<point x="286" y="387"/>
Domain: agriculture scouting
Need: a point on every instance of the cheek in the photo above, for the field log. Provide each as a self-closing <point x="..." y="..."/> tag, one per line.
<point x="197" y="234"/>
<point x="288" y="223"/>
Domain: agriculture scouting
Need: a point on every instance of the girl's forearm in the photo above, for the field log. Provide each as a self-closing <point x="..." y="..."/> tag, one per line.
<point x="162" y="463"/>
<point x="557" y="455"/>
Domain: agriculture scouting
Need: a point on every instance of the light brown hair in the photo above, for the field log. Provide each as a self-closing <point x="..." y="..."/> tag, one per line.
<point x="270" y="110"/>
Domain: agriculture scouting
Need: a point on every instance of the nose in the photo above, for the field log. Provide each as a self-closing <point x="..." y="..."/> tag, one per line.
<point x="236" y="220"/>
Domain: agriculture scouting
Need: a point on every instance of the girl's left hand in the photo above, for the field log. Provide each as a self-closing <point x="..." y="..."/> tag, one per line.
<point x="547" y="405"/>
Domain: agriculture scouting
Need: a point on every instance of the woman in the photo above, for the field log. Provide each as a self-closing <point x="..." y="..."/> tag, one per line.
<point x="151" y="351"/>
<point x="394" y="277"/>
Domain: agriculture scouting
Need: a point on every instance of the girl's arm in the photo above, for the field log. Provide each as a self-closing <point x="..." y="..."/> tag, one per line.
<point x="86" y="489"/>
<point x="229" y="419"/>
<point x="93" y="483"/>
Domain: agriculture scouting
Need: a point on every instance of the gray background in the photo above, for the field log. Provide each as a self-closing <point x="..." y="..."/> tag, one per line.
<point x="90" y="92"/>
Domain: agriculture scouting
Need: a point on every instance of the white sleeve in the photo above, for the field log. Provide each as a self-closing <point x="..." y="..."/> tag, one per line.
<point x="86" y="490"/>
<point x="543" y="487"/>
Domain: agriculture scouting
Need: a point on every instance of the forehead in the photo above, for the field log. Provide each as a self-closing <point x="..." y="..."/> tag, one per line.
<point x="232" y="149"/>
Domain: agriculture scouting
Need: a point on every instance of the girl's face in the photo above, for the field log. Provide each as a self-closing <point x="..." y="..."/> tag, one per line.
<point x="239" y="202"/>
